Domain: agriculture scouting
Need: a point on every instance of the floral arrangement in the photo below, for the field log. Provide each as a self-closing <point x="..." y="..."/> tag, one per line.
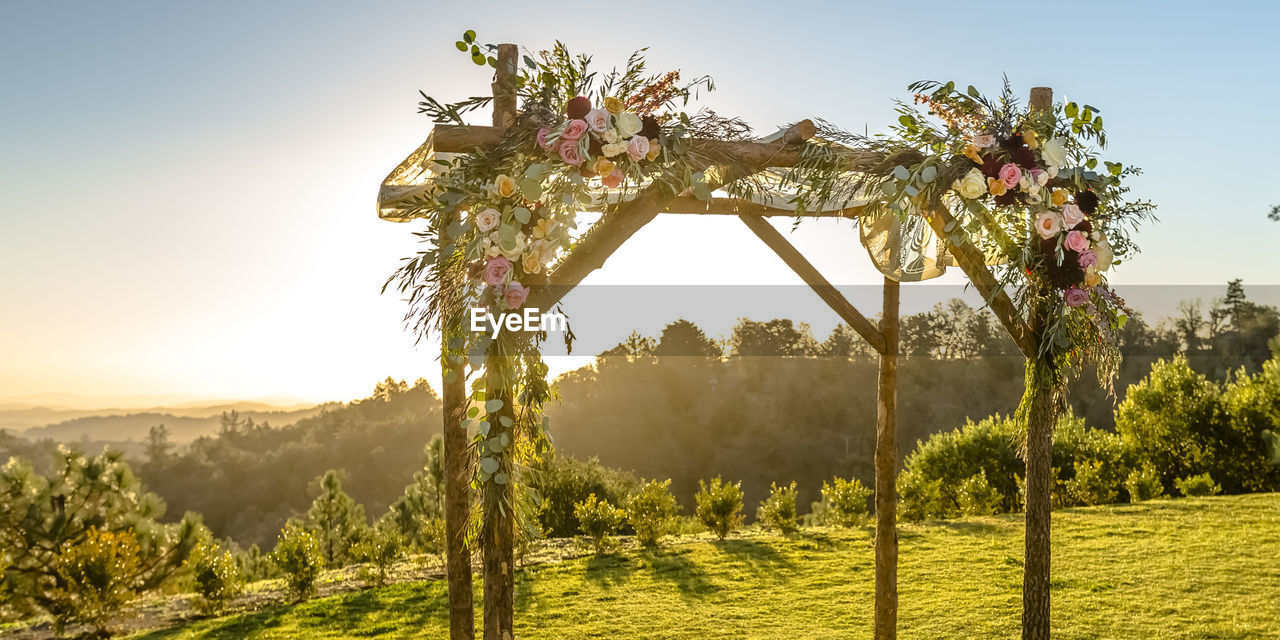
<point x="500" y="217"/>
<point x="1024" y="185"/>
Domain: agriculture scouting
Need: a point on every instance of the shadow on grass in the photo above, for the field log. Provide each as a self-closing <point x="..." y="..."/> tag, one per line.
<point x="674" y="567"/>
<point x="609" y="570"/>
<point x="761" y="556"/>
<point x="971" y="528"/>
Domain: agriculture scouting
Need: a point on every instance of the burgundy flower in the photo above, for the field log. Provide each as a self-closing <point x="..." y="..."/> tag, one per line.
<point x="1084" y="226"/>
<point x="1067" y="274"/>
<point x="991" y="166"/>
<point x="578" y="107"/>
<point x="594" y="147"/>
<point x="649" y="127"/>
<point x="1087" y="201"/>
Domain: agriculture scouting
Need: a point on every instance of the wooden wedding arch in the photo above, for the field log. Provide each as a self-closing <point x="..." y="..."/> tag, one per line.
<point x="623" y="220"/>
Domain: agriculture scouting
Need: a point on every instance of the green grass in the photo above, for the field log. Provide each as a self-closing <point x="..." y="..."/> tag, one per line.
<point x="1203" y="568"/>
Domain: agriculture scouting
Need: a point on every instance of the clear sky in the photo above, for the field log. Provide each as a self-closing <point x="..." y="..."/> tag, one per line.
<point x="187" y="189"/>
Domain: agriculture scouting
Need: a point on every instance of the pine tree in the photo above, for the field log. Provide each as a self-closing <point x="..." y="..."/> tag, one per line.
<point x="336" y="519"/>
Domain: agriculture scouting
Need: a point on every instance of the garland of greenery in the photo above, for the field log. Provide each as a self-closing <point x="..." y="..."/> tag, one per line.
<point x="499" y="219"/>
<point x="1023" y="185"/>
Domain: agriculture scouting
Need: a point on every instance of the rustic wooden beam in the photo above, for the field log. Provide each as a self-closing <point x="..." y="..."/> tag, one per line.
<point x="391" y="197"/>
<point x="974" y="263"/>
<point x="886" y="472"/>
<point x="1043" y="400"/>
<point x="455" y="138"/>
<point x="615" y="228"/>
<point x="497" y="535"/>
<point x="807" y="272"/>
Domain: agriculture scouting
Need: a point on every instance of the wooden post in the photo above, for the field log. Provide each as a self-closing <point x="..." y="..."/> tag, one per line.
<point x="497" y="536"/>
<point x="886" y="467"/>
<point x="457" y="498"/>
<point x="1040" y="409"/>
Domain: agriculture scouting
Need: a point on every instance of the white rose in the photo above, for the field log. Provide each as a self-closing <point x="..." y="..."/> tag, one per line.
<point x="972" y="185"/>
<point x="629" y="124"/>
<point x="1054" y="152"/>
<point x="610" y="136"/>
<point x="1105" y="255"/>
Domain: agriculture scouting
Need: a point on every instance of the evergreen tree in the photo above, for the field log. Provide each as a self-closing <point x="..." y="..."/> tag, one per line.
<point x="336" y="519"/>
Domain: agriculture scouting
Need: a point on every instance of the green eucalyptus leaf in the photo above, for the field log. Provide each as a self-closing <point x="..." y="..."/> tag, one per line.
<point x="462" y="46"/>
<point x="500" y="478"/>
<point x="473" y="412"/>
<point x="506" y="421"/>
<point x="469" y="35"/>
<point x="522" y="215"/>
<point x="887" y="188"/>
<point x="900" y="172"/>
<point x="495" y="445"/>
<point x="482" y="427"/>
<point x="493" y="406"/>
<point x="928" y="174"/>
<point x="488" y="464"/>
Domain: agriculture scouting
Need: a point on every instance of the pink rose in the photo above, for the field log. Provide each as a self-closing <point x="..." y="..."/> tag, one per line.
<point x="497" y="271"/>
<point x="598" y="120"/>
<point x="1010" y="174"/>
<point x="1075" y="297"/>
<point x="1076" y="241"/>
<point x="570" y="154"/>
<point x="574" y="130"/>
<point x="984" y="140"/>
<point x="1088" y="257"/>
<point x="613" y="179"/>
<point x="542" y="139"/>
<point x="1072" y="214"/>
<point x="1048" y="224"/>
<point x="638" y="148"/>
<point x="515" y="294"/>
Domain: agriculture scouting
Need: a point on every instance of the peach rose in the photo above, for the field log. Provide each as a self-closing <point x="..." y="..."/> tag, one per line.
<point x="1076" y="241"/>
<point x="504" y="186"/>
<point x="515" y="294"/>
<point x="488" y="220"/>
<point x="613" y="180"/>
<point x="1072" y="214"/>
<point x="496" y="271"/>
<point x="1048" y="224"/>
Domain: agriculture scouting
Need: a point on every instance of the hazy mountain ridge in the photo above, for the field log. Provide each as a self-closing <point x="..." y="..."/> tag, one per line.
<point x="185" y="423"/>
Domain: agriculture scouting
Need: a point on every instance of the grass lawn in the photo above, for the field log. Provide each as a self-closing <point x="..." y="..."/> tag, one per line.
<point x="1189" y="568"/>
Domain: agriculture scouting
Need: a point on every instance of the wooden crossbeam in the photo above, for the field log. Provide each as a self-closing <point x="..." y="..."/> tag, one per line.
<point x="455" y="138"/>
<point x="617" y="226"/>
<point x="807" y="272"/>
<point x="974" y="264"/>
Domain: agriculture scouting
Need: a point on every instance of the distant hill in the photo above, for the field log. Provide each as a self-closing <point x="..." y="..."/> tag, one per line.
<point x="185" y="423"/>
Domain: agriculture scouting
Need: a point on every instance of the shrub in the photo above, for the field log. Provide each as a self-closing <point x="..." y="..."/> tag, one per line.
<point x="1090" y="485"/>
<point x="843" y="504"/>
<point x="97" y="577"/>
<point x="379" y="549"/>
<point x="985" y="447"/>
<point x="919" y="497"/>
<point x="1144" y="484"/>
<point x="778" y="511"/>
<point x="431" y="539"/>
<point x="216" y="576"/>
<point x="719" y="506"/>
<point x="599" y="520"/>
<point x="977" y="497"/>
<point x="1201" y="485"/>
<point x="652" y="512"/>
<point x="1183" y="424"/>
<point x="298" y="555"/>
<point x="564" y="481"/>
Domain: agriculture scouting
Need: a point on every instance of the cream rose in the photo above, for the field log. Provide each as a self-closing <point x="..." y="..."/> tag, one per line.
<point x="1072" y="215"/>
<point x="488" y="220"/>
<point x="615" y="149"/>
<point x="1054" y="152"/>
<point x="972" y="185"/>
<point x="1105" y="255"/>
<point x="628" y="124"/>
